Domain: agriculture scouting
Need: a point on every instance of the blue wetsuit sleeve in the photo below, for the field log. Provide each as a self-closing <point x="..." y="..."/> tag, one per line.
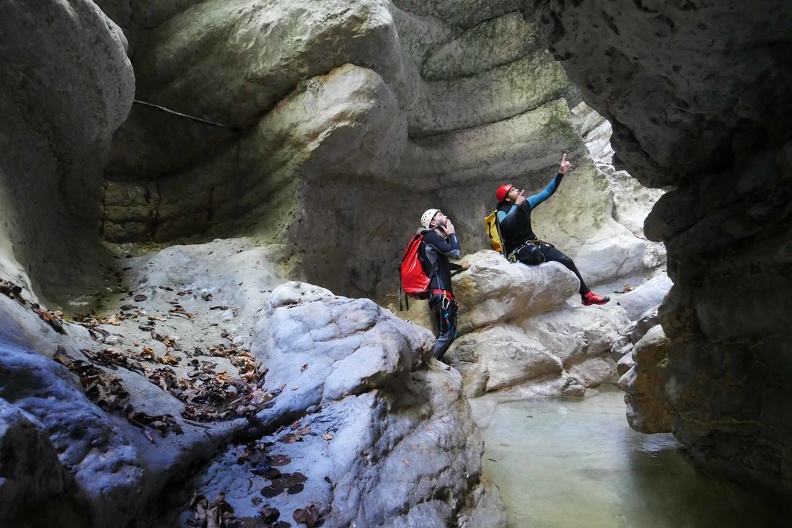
<point x="538" y="198"/>
<point x="507" y="219"/>
<point x="450" y="249"/>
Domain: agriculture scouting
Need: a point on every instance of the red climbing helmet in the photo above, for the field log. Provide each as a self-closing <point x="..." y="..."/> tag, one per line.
<point x="502" y="191"/>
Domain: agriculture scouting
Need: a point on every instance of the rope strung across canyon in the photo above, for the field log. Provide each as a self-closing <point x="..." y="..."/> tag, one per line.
<point x="185" y="116"/>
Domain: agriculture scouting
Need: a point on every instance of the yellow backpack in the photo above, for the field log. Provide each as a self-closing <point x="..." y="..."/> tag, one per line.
<point x="493" y="231"/>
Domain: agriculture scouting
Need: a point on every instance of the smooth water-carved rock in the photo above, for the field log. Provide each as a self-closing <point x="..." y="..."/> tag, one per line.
<point x="501" y="357"/>
<point x="633" y="333"/>
<point x="495" y="290"/>
<point x="519" y="330"/>
<point x="425" y="115"/>
<point x="67" y="85"/>
<point x="649" y="295"/>
<point x="373" y="441"/>
<point x="355" y="376"/>
<point x="105" y="465"/>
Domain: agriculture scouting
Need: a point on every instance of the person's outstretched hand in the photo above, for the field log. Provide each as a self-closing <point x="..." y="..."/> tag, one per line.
<point x="565" y="165"/>
<point x="465" y="264"/>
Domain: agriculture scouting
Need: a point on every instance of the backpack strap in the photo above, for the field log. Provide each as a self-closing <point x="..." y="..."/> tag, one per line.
<point x="500" y="235"/>
<point x="402" y="293"/>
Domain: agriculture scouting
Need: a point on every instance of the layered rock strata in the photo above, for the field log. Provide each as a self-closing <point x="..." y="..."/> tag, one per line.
<point x="411" y="104"/>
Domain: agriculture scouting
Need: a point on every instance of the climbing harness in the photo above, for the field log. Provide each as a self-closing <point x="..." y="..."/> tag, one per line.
<point x="529" y="252"/>
<point x="447" y="304"/>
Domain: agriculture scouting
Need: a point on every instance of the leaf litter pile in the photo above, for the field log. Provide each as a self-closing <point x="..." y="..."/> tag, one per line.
<point x="210" y="394"/>
<point x="108" y="392"/>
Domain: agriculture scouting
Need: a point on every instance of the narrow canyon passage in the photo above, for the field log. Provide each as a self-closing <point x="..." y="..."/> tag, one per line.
<point x="576" y="463"/>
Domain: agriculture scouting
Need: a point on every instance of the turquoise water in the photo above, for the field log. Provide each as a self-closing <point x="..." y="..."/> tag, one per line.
<point x="570" y="464"/>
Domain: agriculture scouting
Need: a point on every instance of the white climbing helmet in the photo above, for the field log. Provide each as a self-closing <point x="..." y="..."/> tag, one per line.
<point x="428" y="216"/>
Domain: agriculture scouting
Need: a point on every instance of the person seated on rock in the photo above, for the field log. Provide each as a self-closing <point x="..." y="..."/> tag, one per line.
<point x="438" y="245"/>
<point x="520" y="242"/>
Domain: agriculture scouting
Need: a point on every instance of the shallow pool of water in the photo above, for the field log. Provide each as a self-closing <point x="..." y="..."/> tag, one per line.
<point x="576" y="463"/>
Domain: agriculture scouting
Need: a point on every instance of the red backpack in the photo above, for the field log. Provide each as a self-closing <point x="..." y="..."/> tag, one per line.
<point x="413" y="280"/>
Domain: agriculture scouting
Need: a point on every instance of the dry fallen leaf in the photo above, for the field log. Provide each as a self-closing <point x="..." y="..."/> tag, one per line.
<point x="308" y="516"/>
<point x="290" y="438"/>
<point x="327" y="436"/>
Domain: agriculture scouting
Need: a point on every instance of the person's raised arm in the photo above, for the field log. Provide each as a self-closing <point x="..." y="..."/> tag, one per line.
<point x="548" y="191"/>
<point x="450" y="248"/>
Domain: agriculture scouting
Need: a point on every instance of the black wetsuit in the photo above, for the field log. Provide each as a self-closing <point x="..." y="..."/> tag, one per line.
<point x="516" y="229"/>
<point x="435" y="251"/>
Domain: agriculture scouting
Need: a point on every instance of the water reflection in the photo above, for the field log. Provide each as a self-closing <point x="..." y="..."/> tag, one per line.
<point x="569" y="464"/>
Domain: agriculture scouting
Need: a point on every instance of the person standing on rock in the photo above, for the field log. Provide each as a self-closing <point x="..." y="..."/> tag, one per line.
<point x="439" y="244"/>
<point x="520" y="242"/>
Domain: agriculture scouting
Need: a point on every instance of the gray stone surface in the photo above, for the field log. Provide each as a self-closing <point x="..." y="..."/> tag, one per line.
<point x="380" y="413"/>
<point x="390" y="439"/>
<point x="410" y="103"/>
<point x="67" y="85"/>
<point x="518" y="329"/>
<point x="645" y="385"/>
<point x="31" y="469"/>
<point x="645" y="297"/>
<point x="697" y="93"/>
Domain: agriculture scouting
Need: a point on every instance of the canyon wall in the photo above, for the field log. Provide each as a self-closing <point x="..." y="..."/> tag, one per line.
<point x="696" y="92"/>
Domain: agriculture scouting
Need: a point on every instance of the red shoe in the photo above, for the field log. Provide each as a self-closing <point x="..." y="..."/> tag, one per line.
<point x="592" y="298"/>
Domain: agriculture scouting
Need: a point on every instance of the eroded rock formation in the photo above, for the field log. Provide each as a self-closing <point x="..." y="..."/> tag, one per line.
<point x="697" y="93"/>
<point x="321" y="126"/>
<point x="59" y="106"/>
<point x="411" y="104"/>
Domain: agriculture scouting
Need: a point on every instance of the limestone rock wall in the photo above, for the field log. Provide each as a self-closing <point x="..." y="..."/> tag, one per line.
<point x="697" y="95"/>
<point x="59" y="105"/>
<point x="411" y="104"/>
<point x="319" y="126"/>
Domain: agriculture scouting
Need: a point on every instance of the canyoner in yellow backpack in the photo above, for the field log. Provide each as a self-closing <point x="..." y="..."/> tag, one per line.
<point x="492" y="226"/>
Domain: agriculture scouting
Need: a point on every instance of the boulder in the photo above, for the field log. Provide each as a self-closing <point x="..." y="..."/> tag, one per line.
<point x="645" y="297"/>
<point x="494" y="290"/>
<point x="31" y="470"/>
<point x="381" y="432"/>
<point x="645" y="385"/>
<point x="517" y="328"/>
<point x="499" y="358"/>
